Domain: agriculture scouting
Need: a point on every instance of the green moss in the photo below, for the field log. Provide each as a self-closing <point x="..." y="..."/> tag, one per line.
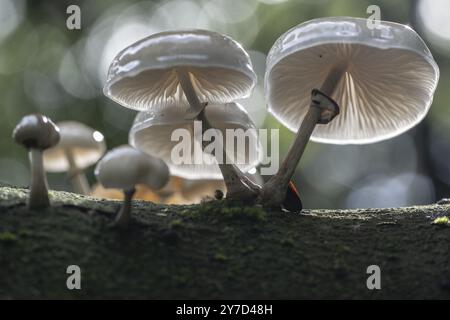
<point x="442" y="221"/>
<point x="7" y="237"/>
<point x="251" y="213"/>
<point x="226" y="210"/>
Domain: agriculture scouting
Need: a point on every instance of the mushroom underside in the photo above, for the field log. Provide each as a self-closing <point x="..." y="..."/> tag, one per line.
<point x="383" y="93"/>
<point x="155" y="87"/>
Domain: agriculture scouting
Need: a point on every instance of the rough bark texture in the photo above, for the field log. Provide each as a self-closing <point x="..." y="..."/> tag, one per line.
<point x="219" y="250"/>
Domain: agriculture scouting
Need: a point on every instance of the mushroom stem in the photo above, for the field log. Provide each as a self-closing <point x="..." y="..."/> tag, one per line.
<point x="38" y="189"/>
<point x="273" y="192"/>
<point x="77" y="177"/>
<point x="189" y="91"/>
<point x="124" y="215"/>
<point x="238" y="185"/>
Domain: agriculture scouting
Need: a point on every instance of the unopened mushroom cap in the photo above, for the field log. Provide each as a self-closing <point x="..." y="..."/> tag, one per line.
<point x="388" y="86"/>
<point x="36" y="131"/>
<point x="143" y="74"/>
<point x="152" y="131"/>
<point x="125" y="167"/>
<point x="84" y="143"/>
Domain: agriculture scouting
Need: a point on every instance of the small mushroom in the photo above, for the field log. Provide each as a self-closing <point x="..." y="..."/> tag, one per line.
<point x="375" y="84"/>
<point x="190" y="69"/>
<point x="125" y="167"/>
<point x="152" y="131"/>
<point x="37" y="133"/>
<point x="80" y="147"/>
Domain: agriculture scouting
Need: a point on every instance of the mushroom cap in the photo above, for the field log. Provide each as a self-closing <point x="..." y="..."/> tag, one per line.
<point x="152" y="131"/>
<point x="86" y="145"/>
<point x="125" y="167"/>
<point x="387" y="88"/>
<point x="143" y="75"/>
<point x="36" y="131"/>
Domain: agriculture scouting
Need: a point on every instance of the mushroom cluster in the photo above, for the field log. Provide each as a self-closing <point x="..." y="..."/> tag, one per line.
<point x="178" y="77"/>
<point x="333" y="80"/>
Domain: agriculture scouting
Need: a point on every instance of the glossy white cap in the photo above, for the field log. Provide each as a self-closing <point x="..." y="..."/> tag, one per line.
<point x="143" y="75"/>
<point x="387" y="88"/>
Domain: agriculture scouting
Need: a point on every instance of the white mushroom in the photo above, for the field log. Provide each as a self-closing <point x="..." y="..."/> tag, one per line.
<point x="152" y="133"/>
<point x="80" y="147"/>
<point x="152" y="71"/>
<point x="383" y="79"/>
<point x="125" y="167"/>
<point x="189" y="69"/>
<point x="37" y="133"/>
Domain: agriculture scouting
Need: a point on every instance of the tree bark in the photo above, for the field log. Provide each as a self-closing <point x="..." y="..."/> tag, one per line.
<point x="219" y="250"/>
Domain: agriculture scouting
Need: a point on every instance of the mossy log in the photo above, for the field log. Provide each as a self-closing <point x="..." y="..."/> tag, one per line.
<point x="219" y="250"/>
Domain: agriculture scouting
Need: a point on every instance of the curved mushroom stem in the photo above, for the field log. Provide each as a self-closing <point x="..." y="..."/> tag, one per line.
<point x="124" y="215"/>
<point x="38" y="189"/>
<point x="238" y="185"/>
<point x="189" y="91"/>
<point x="273" y="192"/>
<point x="77" y="177"/>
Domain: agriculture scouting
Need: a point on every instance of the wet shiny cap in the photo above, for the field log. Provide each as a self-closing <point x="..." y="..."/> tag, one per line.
<point x="144" y="74"/>
<point x="387" y="87"/>
<point x="36" y="131"/>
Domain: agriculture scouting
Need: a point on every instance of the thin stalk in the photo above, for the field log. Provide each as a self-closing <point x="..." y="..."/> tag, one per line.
<point x="189" y="91"/>
<point x="274" y="191"/>
<point x="124" y="215"/>
<point x="38" y="189"/>
<point x="238" y="185"/>
<point x="77" y="177"/>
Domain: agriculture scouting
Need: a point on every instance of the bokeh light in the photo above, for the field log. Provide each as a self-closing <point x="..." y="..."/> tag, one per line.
<point x="11" y="15"/>
<point x="434" y="17"/>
